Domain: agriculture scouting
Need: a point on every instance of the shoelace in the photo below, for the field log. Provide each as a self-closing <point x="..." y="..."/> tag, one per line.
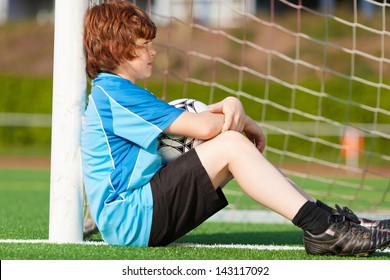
<point x="347" y="214"/>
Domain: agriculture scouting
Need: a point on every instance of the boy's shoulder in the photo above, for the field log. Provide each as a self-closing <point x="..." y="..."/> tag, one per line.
<point x="124" y="92"/>
<point x="111" y="83"/>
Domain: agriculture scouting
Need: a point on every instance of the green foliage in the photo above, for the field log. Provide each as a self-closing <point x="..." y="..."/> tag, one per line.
<point x="263" y="101"/>
<point x="25" y="94"/>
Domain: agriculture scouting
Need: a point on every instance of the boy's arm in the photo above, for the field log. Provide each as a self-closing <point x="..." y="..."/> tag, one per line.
<point x="204" y="125"/>
<point x="208" y="124"/>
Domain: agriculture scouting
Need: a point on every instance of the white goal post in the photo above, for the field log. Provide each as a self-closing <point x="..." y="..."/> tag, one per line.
<point x="69" y="88"/>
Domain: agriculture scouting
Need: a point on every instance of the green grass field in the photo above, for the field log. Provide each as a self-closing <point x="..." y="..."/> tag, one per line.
<point x="24" y="213"/>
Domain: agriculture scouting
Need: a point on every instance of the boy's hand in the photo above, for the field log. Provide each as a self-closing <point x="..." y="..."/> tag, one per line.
<point x="234" y="113"/>
<point x="254" y="134"/>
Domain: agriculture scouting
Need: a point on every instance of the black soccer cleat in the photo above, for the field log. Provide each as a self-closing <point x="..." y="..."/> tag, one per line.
<point x="346" y="238"/>
<point x="378" y="224"/>
<point x="371" y="224"/>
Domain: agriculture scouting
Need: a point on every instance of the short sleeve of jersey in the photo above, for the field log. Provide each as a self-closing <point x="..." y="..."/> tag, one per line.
<point x="132" y="113"/>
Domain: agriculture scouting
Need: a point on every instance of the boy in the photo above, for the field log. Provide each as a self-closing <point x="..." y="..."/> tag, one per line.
<point x="134" y="199"/>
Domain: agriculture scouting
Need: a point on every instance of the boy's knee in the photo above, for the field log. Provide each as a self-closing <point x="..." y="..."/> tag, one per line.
<point x="234" y="136"/>
<point x="229" y="142"/>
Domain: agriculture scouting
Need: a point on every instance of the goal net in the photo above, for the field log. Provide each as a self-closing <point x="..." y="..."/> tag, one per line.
<point x="314" y="74"/>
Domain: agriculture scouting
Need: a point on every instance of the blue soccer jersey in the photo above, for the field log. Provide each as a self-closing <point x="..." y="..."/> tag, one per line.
<point x="119" y="152"/>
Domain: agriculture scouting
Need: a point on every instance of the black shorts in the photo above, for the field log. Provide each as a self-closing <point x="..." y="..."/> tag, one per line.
<point x="183" y="197"/>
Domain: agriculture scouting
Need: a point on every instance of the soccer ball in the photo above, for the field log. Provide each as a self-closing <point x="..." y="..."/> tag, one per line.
<point x="170" y="146"/>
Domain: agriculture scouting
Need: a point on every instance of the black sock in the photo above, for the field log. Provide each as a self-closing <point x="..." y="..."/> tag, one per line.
<point x="325" y="207"/>
<point x="312" y="218"/>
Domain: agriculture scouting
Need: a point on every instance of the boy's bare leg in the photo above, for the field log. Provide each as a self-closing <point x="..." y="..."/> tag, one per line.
<point x="299" y="189"/>
<point x="232" y="154"/>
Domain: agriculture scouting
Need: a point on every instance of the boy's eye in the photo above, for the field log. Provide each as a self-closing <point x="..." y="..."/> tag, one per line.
<point x="146" y="44"/>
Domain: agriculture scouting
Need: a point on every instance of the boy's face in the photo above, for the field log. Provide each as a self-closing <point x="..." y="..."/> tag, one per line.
<point x="141" y="67"/>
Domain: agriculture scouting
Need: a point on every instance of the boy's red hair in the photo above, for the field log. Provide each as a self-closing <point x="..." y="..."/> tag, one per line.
<point x="110" y="33"/>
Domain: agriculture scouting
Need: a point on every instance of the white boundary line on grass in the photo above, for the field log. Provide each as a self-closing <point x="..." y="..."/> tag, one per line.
<point x="242" y="246"/>
<point x="46" y="241"/>
<point x="228" y="246"/>
<point x="232" y="246"/>
<point x="253" y="247"/>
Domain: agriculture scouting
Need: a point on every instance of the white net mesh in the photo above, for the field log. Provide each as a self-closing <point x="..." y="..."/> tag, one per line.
<point x="314" y="77"/>
<point x="314" y="74"/>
